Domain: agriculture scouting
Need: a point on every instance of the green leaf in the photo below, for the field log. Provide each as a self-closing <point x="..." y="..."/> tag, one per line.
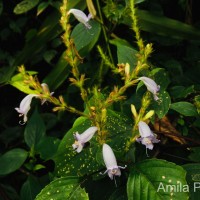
<point x="41" y="7"/>
<point x="149" y="21"/>
<point x="181" y="91"/>
<point x="25" y="6"/>
<point x="84" y="38"/>
<point x="35" y="130"/>
<point x="161" y="77"/>
<point x="193" y="178"/>
<point x="69" y="162"/>
<point x="49" y="55"/>
<point x="125" y="52"/>
<point x="151" y="179"/>
<point x="184" y="108"/>
<point x="30" y="189"/>
<point x="89" y="160"/>
<point x="59" y="74"/>
<point x="18" y="82"/>
<point x="63" y="188"/>
<point x="47" y="147"/>
<point x="12" y="160"/>
<point x="162" y="106"/>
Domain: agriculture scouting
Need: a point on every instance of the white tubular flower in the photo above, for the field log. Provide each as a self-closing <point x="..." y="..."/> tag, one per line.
<point x="110" y="161"/>
<point x="151" y="86"/>
<point x="81" y="17"/>
<point x="81" y="139"/>
<point x="25" y="106"/>
<point x="147" y="136"/>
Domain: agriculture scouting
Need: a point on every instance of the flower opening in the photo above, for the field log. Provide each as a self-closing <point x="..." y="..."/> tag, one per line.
<point x="147" y="137"/>
<point x="110" y="161"/>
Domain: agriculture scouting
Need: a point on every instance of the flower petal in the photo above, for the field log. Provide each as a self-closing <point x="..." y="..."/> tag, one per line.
<point x="144" y="129"/>
<point x="25" y="105"/>
<point x="109" y="157"/>
<point x="88" y="134"/>
<point x="80" y="16"/>
<point x="151" y="85"/>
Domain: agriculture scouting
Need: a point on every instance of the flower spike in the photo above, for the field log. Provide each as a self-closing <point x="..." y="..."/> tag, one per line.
<point x="151" y="86"/>
<point x="110" y="161"/>
<point x="81" y="139"/>
<point x="81" y="17"/>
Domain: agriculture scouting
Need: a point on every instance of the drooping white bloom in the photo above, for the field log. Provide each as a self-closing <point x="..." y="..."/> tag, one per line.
<point x="151" y="86"/>
<point x="147" y="136"/>
<point x="25" y="106"/>
<point x="81" y="17"/>
<point x="110" y="161"/>
<point x="81" y="139"/>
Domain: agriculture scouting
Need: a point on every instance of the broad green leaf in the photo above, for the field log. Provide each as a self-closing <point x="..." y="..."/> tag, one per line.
<point x="12" y="160"/>
<point x="184" y="108"/>
<point x="149" y="21"/>
<point x="18" y="82"/>
<point x="25" y="6"/>
<point x="181" y="91"/>
<point x="125" y="53"/>
<point x="69" y="162"/>
<point x="84" y="38"/>
<point x="30" y="189"/>
<point x="63" y="188"/>
<point x="47" y="147"/>
<point x="161" y="78"/>
<point x="157" y="180"/>
<point x="89" y="160"/>
<point x="193" y="179"/>
<point x="162" y="106"/>
<point x="35" y="130"/>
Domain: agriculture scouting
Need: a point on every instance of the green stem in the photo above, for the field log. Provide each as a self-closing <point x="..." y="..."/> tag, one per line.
<point x="104" y="32"/>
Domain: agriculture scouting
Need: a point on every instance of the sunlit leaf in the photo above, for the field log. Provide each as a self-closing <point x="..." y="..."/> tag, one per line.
<point x="25" y="6"/>
<point x="18" y="82"/>
<point x="151" y="179"/>
<point x="63" y="188"/>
